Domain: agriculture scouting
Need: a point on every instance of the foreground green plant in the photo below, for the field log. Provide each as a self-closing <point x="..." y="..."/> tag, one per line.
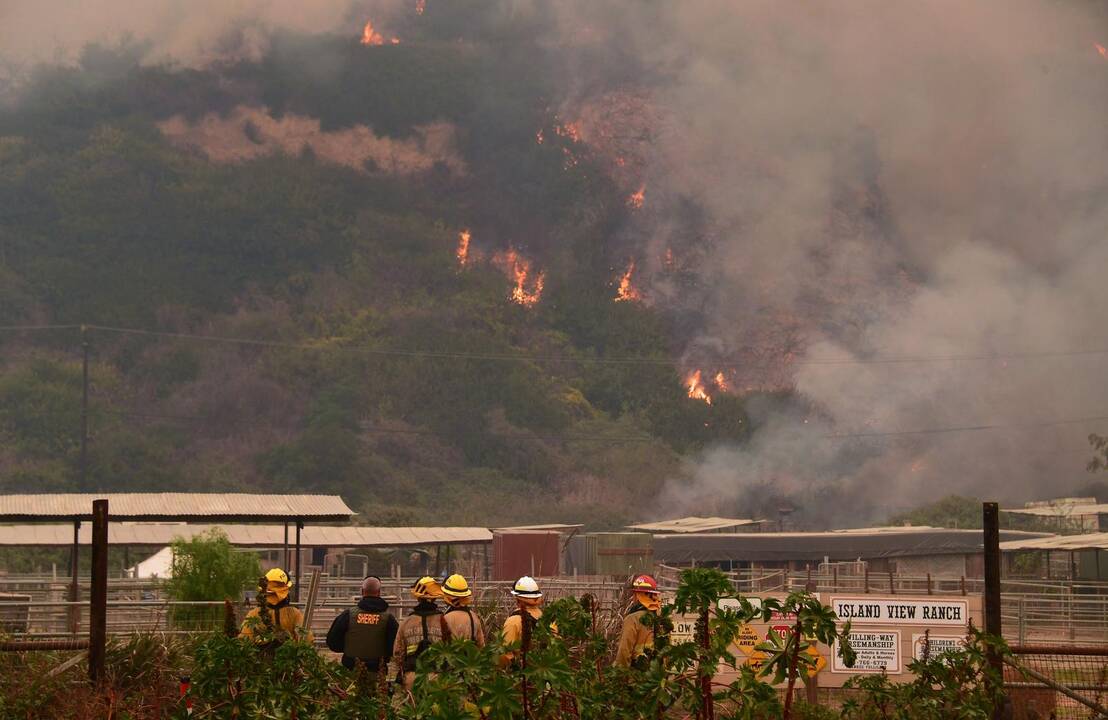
<point x="955" y="685"/>
<point x="568" y="674"/>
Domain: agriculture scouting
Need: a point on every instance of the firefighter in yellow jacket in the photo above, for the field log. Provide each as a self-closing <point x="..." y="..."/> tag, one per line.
<point x="528" y="610"/>
<point x="419" y="630"/>
<point x="459" y="620"/>
<point x="637" y="639"/>
<point x="283" y="616"/>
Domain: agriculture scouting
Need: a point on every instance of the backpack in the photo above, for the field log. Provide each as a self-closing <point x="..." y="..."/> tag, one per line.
<point x="447" y="635"/>
<point x="411" y="657"/>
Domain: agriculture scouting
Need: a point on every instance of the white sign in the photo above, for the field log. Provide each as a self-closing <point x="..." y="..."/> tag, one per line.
<point x="756" y="602"/>
<point x="684" y="629"/>
<point x="878" y="650"/>
<point x="935" y="645"/>
<point x="886" y="611"/>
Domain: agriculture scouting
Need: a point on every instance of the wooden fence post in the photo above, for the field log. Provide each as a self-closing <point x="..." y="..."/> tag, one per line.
<point x="98" y="595"/>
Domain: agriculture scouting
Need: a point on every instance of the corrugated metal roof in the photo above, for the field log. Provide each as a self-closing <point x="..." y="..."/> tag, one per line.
<point x="685" y="548"/>
<point x="694" y="524"/>
<point x="557" y="527"/>
<point x="1061" y="511"/>
<point x="1090" y="541"/>
<point x="256" y="536"/>
<point x="176" y="506"/>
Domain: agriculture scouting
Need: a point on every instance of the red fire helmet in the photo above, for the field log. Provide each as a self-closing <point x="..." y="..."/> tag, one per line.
<point x="645" y="584"/>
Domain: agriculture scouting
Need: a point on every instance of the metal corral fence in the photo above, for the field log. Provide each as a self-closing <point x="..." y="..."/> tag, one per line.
<point x="1034" y="612"/>
<point x="1057" y="681"/>
<point x="40" y="609"/>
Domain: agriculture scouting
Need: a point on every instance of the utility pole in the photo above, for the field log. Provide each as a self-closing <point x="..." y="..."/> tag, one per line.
<point x="84" y="408"/>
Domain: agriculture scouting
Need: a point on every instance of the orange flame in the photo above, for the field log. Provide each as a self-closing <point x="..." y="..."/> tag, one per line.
<point x="721" y="382"/>
<point x="395" y="40"/>
<point x="420" y="6"/>
<point x="635" y="201"/>
<point x="696" y="388"/>
<point x="626" y="290"/>
<point x="1102" y="50"/>
<point x="371" y="36"/>
<point x="519" y="270"/>
<point x="462" y="252"/>
<point x="572" y="131"/>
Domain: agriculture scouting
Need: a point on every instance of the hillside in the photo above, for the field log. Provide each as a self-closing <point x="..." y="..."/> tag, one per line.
<point x="319" y="221"/>
<point x="510" y="262"/>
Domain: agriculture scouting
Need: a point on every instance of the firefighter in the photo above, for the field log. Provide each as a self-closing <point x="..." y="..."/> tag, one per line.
<point x="638" y="639"/>
<point x="528" y="610"/>
<point x="419" y="630"/>
<point x="284" y="617"/>
<point x="460" y="621"/>
<point x="365" y="633"/>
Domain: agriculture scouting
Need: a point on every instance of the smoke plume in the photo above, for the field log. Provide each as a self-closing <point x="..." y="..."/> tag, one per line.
<point x="919" y="181"/>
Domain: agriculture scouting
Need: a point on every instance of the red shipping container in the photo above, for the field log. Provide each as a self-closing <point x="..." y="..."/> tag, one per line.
<point x="525" y="553"/>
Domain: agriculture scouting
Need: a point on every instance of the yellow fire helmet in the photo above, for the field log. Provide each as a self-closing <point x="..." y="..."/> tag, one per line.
<point x="456" y="586"/>
<point x="278" y="576"/>
<point x="426" y="588"/>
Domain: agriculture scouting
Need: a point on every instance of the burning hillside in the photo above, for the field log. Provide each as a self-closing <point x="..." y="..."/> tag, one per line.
<point x="626" y="290"/>
<point x="528" y="283"/>
<point x="251" y="132"/>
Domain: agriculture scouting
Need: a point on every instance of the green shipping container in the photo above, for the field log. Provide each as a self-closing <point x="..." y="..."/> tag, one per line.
<point x="580" y="555"/>
<point x="624" y="554"/>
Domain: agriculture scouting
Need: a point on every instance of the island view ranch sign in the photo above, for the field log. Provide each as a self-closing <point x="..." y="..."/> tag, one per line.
<point x="861" y="610"/>
<point x="888" y="632"/>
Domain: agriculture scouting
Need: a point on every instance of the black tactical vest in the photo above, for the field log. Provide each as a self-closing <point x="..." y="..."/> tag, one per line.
<point x="366" y="636"/>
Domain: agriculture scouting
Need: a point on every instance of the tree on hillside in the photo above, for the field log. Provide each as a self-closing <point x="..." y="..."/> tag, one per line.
<point x="208" y="567"/>
<point x="1100" y="453"/>
<point x="952" y="511"/>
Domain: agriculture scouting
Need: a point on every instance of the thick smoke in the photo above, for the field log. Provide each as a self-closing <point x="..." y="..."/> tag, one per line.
<point x="905" y="180"/>
<point x="185" y="32"/>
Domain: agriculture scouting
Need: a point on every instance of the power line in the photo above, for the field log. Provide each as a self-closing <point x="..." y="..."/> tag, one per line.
<point x="29" y="328"/>
<point x="620" y="439"/>
<point x="521" y="357"/>
<point x="969" y="428"/>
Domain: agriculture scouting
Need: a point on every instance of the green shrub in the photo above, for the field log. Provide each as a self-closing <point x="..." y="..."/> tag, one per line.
<point x="208" y="568"/>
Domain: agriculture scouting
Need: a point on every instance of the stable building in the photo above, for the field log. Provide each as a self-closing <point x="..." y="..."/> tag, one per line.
<point x="906" y="550"/>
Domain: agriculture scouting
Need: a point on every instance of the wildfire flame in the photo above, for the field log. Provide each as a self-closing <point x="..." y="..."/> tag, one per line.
<point x="635" y="201"/>
<point x="539" y="137"/>
<point x="371" y="36"/>
<point x="1102" y="50"/>
<point x="696" y="388"/>
<point x="721" y="382"/>
<point x="463" y="248"/>
<point x="521" y="272"/>
<point x="571" y="130"/>
<point x="626" y="290"/>
<point x="668" y="260"/>
<point x="420" y="6"/>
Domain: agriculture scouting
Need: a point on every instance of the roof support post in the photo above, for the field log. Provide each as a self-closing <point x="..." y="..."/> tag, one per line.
<point x="285" y="563"/>
<point x="296" y="587"/>
<point x="74" y="560"/>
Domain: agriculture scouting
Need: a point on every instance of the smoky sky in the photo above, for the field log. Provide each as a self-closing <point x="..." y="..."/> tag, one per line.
<point x="874" y="180"/>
